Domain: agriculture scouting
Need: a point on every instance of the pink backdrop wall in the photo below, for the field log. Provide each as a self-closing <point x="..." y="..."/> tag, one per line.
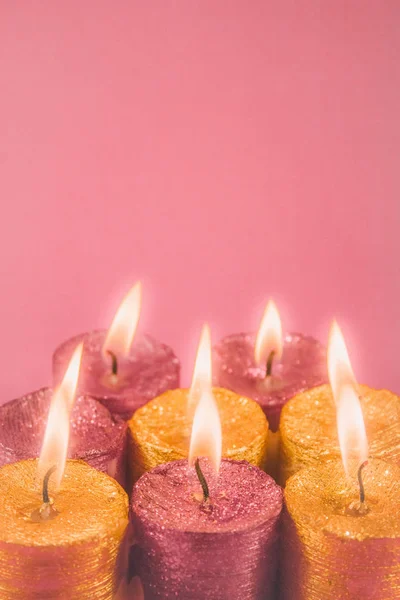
<point x="222" y="151"/>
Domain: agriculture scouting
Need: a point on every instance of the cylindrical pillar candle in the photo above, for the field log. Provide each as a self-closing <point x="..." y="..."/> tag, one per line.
<point x="331" y="548"/>
<point x="222" y="549"/>
<point x="149" y="369"/>
<point x="309" y="432"/>
<point x="159" y="432"/>
<point x="73" y="555"/>
<point x="96" y="436"/>
<point x="301" y="366"/>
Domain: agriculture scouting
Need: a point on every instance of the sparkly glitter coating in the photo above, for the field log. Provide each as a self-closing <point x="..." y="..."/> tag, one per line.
<point x="303" y="366"/>
<point x="73" y="556"/>
<point x="224" y="551"/>
<point x="160" y="431"/>
<point x="150" y="369"/>
<point x="330" y="553"/>
<point x="96" y="436"/>
<point x="309" y="432"/>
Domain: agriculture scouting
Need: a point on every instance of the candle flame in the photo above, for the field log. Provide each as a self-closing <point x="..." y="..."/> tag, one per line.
<point x="123" y="327"/>
<point x="339" y="366"/>
<point x="55" y="442"/>
<point x="269" y="336"/>
<point x="350" y="422"/>
<point x="202" y="373"/>
<point x="206" y="438"/>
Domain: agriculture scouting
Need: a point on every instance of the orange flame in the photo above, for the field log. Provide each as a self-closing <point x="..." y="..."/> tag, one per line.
<point x="206" y="438"/>
<point x="122" y="330"/>
<point x="55" y="442"/>
<point x="350" y="422"/>
<point x="269" y="336"/>
<point x="202" y="372"/>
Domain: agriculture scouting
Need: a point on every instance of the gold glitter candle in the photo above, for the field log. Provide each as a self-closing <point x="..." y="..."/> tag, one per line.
<point x="160" y="430"/>
<point x="333" y="546"/>
<point x="74" y="553"/>
<point x="63" y="523"/>
<point x="341" y="534"/>
<point x="309" y="433"/>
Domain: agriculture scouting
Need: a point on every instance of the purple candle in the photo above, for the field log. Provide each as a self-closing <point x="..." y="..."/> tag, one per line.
<point x="96" y="436"/>
<point x="221" y="548"/>
<point x="267" y="369"/>
<point x="121" y="372"/>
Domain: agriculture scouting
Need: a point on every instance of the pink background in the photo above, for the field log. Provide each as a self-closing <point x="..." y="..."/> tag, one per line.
<point x="222" y="151"/>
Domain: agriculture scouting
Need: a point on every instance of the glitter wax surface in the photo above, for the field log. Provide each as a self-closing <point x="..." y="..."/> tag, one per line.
<point x="150" y="369"/>
<point x="309" y="431"/>
<point x="331" y="551"/>
<point x="159" y="432"/>
<point x="303" y="366"/>
<point x="75" y="555"/>
<point x="96" y="436"/>
<point x="224" y="550"/>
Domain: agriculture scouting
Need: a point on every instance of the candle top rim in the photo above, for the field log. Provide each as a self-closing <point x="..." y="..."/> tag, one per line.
<point x="250" y="338"/>
<point x="317" y="499"/>
<point x="93" y="343"/>
<point x="92" y="506"/>
<point x="244" y="498"/>
<point x="303" y="365"/>
<point x="171" y="408"/>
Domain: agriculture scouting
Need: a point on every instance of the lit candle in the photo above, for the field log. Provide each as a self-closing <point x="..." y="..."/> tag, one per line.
<point x="160" y="431"/>
<point x="96" y="436"/>
<point x="205" y="529"/>
<point x="341" y="535"/>
<point x="270" y="367"/>
<point x="120" y="371"/>
<point x="308" y="422"/>
<point x="61" y="538"/>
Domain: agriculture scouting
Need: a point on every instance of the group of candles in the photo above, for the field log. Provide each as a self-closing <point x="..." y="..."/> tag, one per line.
<point x="203" y="520"/>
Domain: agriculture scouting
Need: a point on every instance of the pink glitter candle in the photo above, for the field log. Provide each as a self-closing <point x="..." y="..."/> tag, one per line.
<point x="297" y="364"/>
<point x="150" y="369"/>
<point x="221" y="549"/>
<point x="96" y="436"/>
<point x="120" y="370"/>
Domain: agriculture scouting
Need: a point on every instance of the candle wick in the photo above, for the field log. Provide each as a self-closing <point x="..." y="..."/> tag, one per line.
<point x="202" y="479"/>
<point x="360" y="482"/>
<point x="270" y="360"/>
<point x="45" y="493"/>
<point x="114" y="362"/>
